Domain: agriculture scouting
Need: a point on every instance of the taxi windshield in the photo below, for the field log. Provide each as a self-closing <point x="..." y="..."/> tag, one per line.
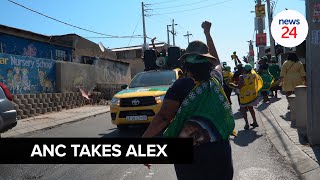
<point x="156" y="78"/>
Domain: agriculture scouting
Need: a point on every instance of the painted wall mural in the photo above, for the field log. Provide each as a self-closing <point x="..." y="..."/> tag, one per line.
<point x="23" y="74"/>
<point x="27" y="47"/>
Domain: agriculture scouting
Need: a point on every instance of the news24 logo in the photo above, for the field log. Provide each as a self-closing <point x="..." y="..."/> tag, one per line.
<point x="289" y="28"/>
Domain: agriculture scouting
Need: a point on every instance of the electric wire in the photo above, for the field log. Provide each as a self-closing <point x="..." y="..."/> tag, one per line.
<point x="181" y="5"/>
<point x="65" y="23"/>
<point x="187" y="10"/>
<point x="163" y="2"/>
<point x="134" y="31"/>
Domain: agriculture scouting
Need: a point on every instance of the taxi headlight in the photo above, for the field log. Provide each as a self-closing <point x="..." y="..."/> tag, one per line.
<point x="115" y="101"/>
<point x="159" y="99"/>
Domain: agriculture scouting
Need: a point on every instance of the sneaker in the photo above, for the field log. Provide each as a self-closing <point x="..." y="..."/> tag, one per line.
<point x="255" y="124"/>
<point x="246" y="126"/>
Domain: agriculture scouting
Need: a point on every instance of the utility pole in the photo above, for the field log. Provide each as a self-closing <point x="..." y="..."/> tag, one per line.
<point x="144" y="28"/>
<point x="168" y="31"/>
<point x="313" y="85"/>
<point x="251" y="54"/>
<point x="260" y="31"/>
<point x="173" y="32"/>
<point x="272" y="43"/>
<point x="188" y="35"/>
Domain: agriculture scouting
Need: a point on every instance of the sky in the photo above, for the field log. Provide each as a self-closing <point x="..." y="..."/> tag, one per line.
<point x="232" y="20"/>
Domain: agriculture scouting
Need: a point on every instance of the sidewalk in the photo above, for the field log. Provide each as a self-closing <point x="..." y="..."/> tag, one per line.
<point x="276" y="120"/>
<point x="54" y="119"/>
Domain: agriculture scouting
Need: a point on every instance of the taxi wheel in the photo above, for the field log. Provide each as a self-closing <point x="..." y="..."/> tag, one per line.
<point x="122" y="127"/>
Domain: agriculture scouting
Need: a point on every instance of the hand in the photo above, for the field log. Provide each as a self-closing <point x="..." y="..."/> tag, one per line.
<point x="206" y="26"/>
<point x="148" y="165"/>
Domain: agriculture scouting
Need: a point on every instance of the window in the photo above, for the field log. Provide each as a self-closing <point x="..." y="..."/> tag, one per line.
<point x="60" y="55"/>
<point x="153" y="78"/>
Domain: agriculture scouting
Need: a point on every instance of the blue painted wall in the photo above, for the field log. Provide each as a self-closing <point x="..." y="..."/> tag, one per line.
<point x="27" y="75"/>
<point x="28" y="47"/>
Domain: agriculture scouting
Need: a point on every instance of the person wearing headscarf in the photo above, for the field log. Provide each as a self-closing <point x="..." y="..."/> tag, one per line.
<point x="196" y="107"/>
<point x="250" y="84"/>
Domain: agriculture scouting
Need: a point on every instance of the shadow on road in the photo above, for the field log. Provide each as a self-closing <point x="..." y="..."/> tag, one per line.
<point x="286" y="116"/>
<point x="131" y="132"/>
<point x="245" y="137"/>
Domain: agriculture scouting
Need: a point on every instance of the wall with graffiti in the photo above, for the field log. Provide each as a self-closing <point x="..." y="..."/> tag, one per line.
<point x="24" y="75"/>
<point x="28" y="47"/>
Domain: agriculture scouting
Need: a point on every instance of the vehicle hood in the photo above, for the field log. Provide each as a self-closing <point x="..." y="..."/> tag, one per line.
<point x="142" y="91"/>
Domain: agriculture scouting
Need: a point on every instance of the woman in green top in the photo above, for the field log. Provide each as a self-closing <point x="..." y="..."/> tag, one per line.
<point x="275" y="70"/>
<point x="266" y="77"/>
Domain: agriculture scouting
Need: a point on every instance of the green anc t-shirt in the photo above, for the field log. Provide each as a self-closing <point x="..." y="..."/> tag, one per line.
<point x="275" y="70"/>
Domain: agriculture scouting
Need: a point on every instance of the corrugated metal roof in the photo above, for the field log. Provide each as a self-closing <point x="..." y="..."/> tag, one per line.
<point x="135" y="47"/>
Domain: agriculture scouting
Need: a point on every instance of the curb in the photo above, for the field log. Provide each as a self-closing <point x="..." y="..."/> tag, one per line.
<point x="306" y="168"/>
<point x="50" y="125"/>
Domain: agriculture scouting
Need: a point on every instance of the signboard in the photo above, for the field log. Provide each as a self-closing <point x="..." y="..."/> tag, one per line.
<point x="24" y="75"/>
<point x="316" y="13"/>
<point x="261" y="40"/>
<point x="256" y="22"/>
<point x="260" y="10"/>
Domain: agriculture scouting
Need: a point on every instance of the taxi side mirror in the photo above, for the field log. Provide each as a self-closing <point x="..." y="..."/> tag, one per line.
<point x="124" y="86"/>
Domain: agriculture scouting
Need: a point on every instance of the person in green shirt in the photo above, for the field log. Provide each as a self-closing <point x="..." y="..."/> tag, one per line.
<point x="275" y="70"/>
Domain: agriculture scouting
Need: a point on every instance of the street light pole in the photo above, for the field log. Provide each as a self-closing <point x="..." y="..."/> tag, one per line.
<point x="168" y="35"/>
<point x="144" y="27"/>
<point x="188" y="35"/>
<point x="272" y="43"/>
<point x="260" y="31"/>
<point x="173" y="32"/>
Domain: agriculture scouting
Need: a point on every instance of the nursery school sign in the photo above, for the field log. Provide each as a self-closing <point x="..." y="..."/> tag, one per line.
<point x="23" y="74"/>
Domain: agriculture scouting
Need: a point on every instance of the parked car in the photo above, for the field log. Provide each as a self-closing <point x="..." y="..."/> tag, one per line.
<point x="142" y="99"/>
<point x="8" y="115"/>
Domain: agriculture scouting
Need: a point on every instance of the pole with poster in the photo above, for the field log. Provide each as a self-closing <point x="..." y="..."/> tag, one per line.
<point x="313" y="66"/>
<point x="261" y="40"/>
<point x="260" y="11"/>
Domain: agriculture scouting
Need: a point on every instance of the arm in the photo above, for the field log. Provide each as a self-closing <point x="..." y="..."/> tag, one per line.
<point x="154" y="46"/>
<point x="283" y="71"/>
<point x="162" y="119"/>
<point x="238" y="60"/>
<point x="303" y="73"/>
<point x="212" y="49"/>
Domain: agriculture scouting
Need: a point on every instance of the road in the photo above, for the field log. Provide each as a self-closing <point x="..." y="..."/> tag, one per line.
<point x="253" y="155"/>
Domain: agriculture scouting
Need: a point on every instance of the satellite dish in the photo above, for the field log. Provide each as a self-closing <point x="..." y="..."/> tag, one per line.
<point x="160" y="62"/>
<point x="102" y="48"/>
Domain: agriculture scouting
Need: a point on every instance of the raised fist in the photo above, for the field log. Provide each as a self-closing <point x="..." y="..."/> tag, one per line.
<point x="206" y="26"/>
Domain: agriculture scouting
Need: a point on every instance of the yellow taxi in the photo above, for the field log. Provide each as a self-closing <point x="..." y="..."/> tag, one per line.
<point x="139" y="101"/>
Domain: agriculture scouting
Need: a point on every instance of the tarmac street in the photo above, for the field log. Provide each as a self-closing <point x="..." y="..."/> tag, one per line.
<point x="254" y="156"/>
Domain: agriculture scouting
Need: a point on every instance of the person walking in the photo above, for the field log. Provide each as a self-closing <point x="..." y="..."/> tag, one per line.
<point x="267" y="81"/>
<point x="292" y="74"/>
<point x="197" y="107"/>
<point x="227" y="79"/>
<point x="275" y="70"/>
<point x="250" y="84"/>
<point x="236" y="77"/>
